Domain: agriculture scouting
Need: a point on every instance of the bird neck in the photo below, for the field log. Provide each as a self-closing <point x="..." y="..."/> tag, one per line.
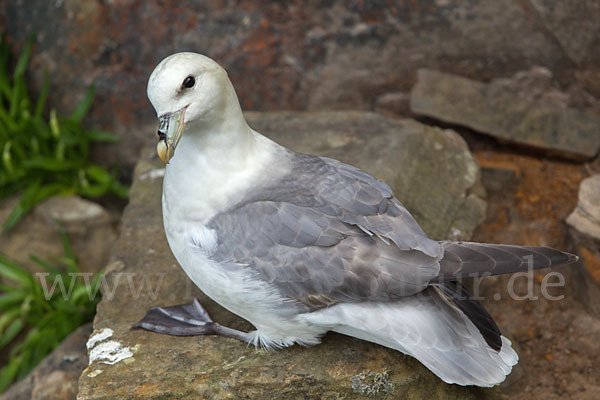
<point x="221" y="137"/>
<point x="214" y="164"/>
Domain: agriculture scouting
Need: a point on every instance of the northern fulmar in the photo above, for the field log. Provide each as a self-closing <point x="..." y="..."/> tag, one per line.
<point x="299" y="245"/>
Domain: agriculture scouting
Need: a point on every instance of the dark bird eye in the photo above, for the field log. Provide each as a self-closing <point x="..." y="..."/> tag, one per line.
<point x="188" y="82"/>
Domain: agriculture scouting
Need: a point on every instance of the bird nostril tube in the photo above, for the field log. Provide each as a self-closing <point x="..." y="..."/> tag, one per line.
<point x="162" y="136"/>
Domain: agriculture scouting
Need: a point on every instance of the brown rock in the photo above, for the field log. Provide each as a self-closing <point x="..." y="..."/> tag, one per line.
<point x="56" y="376"/>
<point x="498" y="176"/>
<point x="144" y="274"/>
<point x="393" y="104"/>
<point x="508" y="110"/>
<point x="90" y="227"/>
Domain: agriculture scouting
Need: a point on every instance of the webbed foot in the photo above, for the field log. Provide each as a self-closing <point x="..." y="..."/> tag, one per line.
<point x="186" y="320"/>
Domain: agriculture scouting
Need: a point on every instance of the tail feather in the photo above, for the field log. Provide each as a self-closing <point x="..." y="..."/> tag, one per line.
<point x="470" y="260"/>
<point x="427" y="327"/>
<point x="459" y="297"/>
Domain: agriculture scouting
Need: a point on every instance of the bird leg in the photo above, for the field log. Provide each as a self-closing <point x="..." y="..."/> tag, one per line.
<point x="186" y="320"/>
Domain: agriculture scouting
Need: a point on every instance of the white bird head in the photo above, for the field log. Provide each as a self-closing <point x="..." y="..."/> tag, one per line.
<point x="187" y="88"/>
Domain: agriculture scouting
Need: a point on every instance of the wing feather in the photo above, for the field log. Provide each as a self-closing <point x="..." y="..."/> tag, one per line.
<point x="328" y="232"/>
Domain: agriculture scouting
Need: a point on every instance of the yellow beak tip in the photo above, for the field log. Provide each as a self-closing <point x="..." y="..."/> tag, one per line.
<point x="163" y="152"/>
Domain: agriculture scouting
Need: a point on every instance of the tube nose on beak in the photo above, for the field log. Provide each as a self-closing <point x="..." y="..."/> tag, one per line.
<point x="170" y="129"/>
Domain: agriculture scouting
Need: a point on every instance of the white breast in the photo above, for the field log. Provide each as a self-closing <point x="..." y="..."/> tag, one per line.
<point x="236" y="288"/>
<point x="195" y="189"/>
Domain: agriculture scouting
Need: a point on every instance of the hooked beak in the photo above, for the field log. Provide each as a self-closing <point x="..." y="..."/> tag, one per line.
<point x="170" y="129"/>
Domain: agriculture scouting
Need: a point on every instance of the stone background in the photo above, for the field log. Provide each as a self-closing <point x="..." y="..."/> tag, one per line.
<point x="364" y="55"/>
<point x="296" y="55"/>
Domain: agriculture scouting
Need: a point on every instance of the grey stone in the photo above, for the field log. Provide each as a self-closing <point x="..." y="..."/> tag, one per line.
<point x="584" y="222"/>
<point x="144" y="274"/>
<point x="586" y="216"/>
<point x="507" y="110"/>
<point x="393" y="104"/>
<point x="91" y="230"/>
<point x="574" y="23"/>
<point x="56" y="376"/>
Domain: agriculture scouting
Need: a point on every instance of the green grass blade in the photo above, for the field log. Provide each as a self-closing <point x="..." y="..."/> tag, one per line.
<point x="46" y="265"/>
<point x="9" y="300"/>
<point x="84" y="106"/>
<point x="50" y="164"/>
<point x="15" y="97"/>
<point x="13" y="271"/>
<point x="102" y="136"/>
<point x="22" y="206"/>
<point x="23" y="59"/>
<point x="39" y="108"/>
<point x="67" y="244"/>
<point x="8" y="316"/>
<point x="11" y="332"/>
<point x="33" y="195"/>
<point x="8" y="374"/>
<point x="120" y="189"/>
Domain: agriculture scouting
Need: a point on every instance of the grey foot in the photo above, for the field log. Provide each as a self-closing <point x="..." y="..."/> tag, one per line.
<point x="185" y="320"/>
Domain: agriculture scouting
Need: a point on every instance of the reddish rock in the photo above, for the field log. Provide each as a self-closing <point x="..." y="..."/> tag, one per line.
<point x="294" y="55"/>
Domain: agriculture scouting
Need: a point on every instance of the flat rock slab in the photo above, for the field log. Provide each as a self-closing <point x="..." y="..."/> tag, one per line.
<point x="501" y="110"/>
<point x="434" y="164"/>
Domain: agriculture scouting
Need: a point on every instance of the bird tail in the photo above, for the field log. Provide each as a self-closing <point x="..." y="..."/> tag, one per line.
<point x="471" y="260"/>
<point x="429" y="327"/>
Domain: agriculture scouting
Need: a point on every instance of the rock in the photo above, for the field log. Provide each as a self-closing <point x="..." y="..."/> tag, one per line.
<point x="56" y="376"/>
<point x="559" y="18"/>
<point x="320" y="55"/>
<point x="144" y="273"/>
<point x="90" y="227"/>
<point x="586" y="216"/>
<point x="509" y="110"/>
<point x="585" y="235"/>
<point x="498" y="176"/>
<point x="393" y="104"/>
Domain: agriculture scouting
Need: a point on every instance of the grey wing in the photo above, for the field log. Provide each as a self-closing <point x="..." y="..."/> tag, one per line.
<point x="316" y="258"/>
<point x="367" y="202"/>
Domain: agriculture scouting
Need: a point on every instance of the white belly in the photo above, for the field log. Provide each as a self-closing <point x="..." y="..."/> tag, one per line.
<point x="279" y="321"/>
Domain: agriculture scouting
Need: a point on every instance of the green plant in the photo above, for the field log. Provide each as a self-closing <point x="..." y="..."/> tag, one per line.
<point x="45" y="157"/>
<point x="42" y="309"/>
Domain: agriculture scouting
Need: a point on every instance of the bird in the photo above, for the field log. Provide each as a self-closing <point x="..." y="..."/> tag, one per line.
<point x="300" y="245"/>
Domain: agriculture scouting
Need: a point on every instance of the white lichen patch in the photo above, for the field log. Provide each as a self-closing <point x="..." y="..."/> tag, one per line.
<point x="95" y="373"/>
<point x="107" y="352"/>
<point x="372" y="384"/>
<point x="110" y="352"/>
<point x="98" y="337"/>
